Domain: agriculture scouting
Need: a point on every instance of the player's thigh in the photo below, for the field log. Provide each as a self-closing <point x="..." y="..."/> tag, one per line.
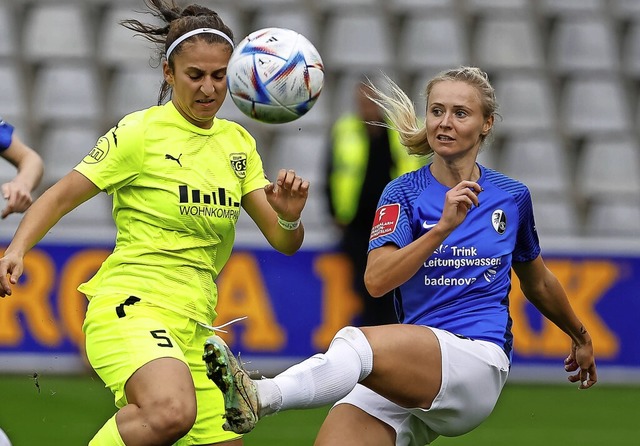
<point x="163" y="382"/>
<point x="122" y="339"/>
<point x="350" y="426"/>
<point x="407" y="365"/>
<point x="474" y="373"/>
<point x="398" y="421"/>
<point x="117" y="337"/>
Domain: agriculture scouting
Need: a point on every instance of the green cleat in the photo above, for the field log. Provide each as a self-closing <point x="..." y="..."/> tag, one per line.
<point x="240" y="394"/>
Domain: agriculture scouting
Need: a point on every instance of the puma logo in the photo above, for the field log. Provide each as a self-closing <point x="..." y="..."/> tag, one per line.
<point x="177" y="160"/>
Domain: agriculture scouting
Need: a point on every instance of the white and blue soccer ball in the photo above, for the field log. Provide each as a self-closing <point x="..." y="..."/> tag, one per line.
<point x="275" y="75"/>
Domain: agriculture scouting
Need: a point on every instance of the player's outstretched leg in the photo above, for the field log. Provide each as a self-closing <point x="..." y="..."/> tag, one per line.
<point x="240" y="395"/>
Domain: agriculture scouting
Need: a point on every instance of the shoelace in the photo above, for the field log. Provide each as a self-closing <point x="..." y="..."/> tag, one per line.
<point x="220" y="327"/>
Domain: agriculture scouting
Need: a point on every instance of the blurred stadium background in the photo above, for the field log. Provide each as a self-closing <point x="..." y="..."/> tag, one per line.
<point x="567" y="75"/>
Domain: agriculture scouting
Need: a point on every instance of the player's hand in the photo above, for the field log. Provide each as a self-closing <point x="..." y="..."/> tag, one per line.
<point x="17" y="198"/>
<point x="11" y="267"/>
<point x="288" y="194"/>
<point x="582" y="361"/>
<point x="458" y="202"/>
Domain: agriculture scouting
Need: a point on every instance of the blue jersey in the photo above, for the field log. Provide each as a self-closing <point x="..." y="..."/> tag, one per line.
<point x="6" y="133"/>
<point x="463" y="287"/>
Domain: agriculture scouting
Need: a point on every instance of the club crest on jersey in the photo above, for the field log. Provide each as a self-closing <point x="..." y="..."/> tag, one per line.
<point x="499" y="221"/>
<point x="239" y="164"/>
<point x="99" y="151"/>
<point x="385" y="221"/>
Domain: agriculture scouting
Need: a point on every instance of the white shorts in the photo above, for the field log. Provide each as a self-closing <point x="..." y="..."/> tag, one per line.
<point x="473" y="375"/>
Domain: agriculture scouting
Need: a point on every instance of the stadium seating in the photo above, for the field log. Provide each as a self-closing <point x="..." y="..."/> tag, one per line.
<point x="299" y="19"/>
<point x="433" y="40"/>
<point x="504" y="42"/>
<point x="409" y="7"/>
<point x="269" y="4"/>
<point x="483" y="6"/>
<point x="341" y="6"/>
<point x="614" y="219"/>
<point x="66" y="92"/>
<point x="623" y="9"/>
<point x="131" y="88"/>
<point x="608" y="168"/>
<point x="488" y="157"/>
<point x="589" y="106"/>
<point x="631" y="49"/>
<point x="117" y="45"/>
<point x="572" y="7"/>
<point x="304" y="151"/>
<point x="8" y="35"/>
<point x="63" y="146"/>
<point x="356" y="41"/>
<point x="13" y="92"/>
<point x="539" y="161"/>
<point x="579" y="44"/>
<point x="304" y="148"/>
<point x="566" y="73"/>
<point x="526" y="103"/>
<point x="57" y="31"/>
<point x="555" y="217"/>
<point x="341" y="90"/>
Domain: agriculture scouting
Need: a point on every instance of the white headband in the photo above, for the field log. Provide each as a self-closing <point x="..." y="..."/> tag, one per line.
<point x="185" y="36"/>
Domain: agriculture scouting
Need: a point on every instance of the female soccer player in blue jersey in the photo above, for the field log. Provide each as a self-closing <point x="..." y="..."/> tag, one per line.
<point x="179" y="176"/>
<point x="17" y="192"/>
<point x="445" y="238"/>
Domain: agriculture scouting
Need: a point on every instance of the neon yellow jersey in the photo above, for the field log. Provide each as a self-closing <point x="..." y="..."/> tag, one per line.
<point x="176" y="200"/>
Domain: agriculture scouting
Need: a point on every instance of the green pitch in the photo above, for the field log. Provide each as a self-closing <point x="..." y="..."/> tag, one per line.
<point x="57" y="410"/>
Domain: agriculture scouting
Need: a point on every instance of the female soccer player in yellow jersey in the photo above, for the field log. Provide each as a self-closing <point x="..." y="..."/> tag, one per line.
<point x="178" y="176"/>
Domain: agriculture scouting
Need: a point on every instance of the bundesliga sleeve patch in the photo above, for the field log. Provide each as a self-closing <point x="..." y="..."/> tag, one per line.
<point x="385" y="221"/>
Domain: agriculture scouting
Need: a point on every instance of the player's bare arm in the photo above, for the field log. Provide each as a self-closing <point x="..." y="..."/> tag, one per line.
<point x="543" y="289"/>
<point x="68" y="193"/>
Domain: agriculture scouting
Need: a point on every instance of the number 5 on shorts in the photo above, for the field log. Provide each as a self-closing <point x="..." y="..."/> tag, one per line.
<point x="162" y="335"/>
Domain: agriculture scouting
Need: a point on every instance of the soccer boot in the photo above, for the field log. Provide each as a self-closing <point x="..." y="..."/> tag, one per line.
<point x="240" y="394"/>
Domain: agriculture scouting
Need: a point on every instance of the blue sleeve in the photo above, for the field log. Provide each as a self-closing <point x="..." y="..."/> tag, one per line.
<point x="6" y="135"/>
<point x="527" y="244"/>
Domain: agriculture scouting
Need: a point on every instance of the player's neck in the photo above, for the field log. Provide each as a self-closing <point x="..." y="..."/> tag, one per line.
<point x="450" y="174"/>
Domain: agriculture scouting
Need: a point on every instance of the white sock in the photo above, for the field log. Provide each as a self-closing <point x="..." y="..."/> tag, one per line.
<point x="321" y="379"/>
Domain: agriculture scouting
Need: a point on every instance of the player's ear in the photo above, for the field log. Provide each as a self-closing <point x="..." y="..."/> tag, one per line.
<point x="486" y="128"/>
<point x="167" y="72"/>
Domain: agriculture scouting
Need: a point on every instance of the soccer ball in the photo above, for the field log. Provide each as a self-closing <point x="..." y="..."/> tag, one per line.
<point x="4" y="440"/>
<point x="275" y="75"/>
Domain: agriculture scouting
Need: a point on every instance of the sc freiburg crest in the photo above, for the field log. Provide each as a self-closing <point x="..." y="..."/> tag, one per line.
<point x="239" y="164"/>
<point x="499" y="221"/>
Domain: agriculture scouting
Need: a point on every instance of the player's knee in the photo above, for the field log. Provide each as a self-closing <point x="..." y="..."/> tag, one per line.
<point x="359" y="342"/>
<point x="174" y="418"/>
<point x="354" y="337"/>
<point x="350" y="334"/>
